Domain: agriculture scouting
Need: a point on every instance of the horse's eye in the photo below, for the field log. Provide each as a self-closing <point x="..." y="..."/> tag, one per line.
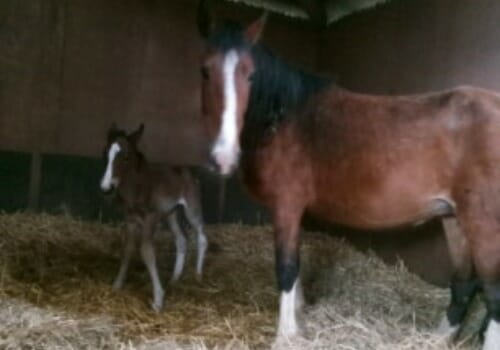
<point x="204" y="73"/>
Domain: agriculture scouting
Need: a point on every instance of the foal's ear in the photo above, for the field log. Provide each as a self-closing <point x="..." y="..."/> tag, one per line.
<point x="255" y="29"/>
<point x="135" y="136"/>
<point x="205" y="18"/>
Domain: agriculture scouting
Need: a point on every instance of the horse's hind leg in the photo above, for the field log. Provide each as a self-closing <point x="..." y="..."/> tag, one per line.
<point x="149" y="258"/>
<point x="480" y="218"/>
<point x="492" y="335"/>
<point x="180" y="245"/>
<point x="484" y="326"/>
<point x="462" y="294"/>
<point x="463" y="286"/>
<point x="194" y="215"/>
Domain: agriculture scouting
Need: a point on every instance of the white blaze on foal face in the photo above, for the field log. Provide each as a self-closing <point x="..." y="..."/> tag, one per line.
<point x="226" y="148"/>
<point x="109" y="180"/>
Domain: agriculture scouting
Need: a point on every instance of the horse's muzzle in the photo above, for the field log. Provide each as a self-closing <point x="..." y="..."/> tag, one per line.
<point x="214" y="167"/>
<point x="108" y="191"/>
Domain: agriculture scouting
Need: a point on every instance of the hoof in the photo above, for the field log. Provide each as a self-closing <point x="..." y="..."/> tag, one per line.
<point x="157" y="303"/>
<point x="446" y="331"/>
<point x="117" y="286"/>
<point x="157" y="307"/>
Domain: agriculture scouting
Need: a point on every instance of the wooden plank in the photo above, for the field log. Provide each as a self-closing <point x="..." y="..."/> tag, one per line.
<point x="35" y="182"/>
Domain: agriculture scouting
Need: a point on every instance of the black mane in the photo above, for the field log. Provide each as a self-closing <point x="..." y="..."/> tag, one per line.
<point x="278" y="90"/>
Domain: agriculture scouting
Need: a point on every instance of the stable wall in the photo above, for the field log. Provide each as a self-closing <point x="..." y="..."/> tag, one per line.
<point x="71" y="67"/>
<point x="411" y="46"/>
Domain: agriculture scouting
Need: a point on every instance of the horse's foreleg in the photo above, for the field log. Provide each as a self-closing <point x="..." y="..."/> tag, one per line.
<point x="287" y="228"/>
<point x="128" y="251"/>
<point x="180" y="245"/>
<point x="462" y="287"/>
<point x="149" y="258"/>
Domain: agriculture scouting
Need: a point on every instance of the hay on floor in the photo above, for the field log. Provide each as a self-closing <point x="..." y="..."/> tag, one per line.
<point x="55" y="292"/>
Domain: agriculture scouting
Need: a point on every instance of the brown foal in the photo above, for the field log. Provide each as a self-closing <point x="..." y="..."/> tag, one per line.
<point x="147" y="196"/>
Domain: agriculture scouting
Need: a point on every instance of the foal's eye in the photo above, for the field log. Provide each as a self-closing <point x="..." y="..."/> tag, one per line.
<point x="204" y="73"/>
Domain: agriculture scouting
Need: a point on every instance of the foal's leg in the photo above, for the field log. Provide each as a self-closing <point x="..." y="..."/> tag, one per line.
<point x="193" y="213"/>
<point x="149" y="258"/>
<point x="128" y="251"/>
<point x="286" y="236"/>
<point x="463" y="287"/>
<point x="180" y="245"/>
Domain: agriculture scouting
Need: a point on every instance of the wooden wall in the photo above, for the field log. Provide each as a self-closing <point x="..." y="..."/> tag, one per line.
<point x="71" y="67"/>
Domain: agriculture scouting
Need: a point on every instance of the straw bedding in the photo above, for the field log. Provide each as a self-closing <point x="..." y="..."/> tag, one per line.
<point x="55" y="293"/>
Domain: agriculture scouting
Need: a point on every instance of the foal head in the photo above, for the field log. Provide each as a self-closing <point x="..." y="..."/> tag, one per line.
<point x="227" y="67"/>
<point x="121" y="156"/>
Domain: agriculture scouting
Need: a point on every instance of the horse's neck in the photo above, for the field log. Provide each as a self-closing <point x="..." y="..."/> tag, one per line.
<point x="279" y="92"/>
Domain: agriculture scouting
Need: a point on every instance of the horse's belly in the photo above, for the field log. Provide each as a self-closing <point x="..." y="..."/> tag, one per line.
<point x="384" y="214"/>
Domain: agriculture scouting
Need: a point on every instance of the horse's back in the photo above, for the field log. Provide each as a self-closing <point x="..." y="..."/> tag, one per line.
<point x="380" y="161"/>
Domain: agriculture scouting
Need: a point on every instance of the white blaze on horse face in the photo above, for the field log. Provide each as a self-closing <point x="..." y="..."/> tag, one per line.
<point x="226" y="149"/>
<point x="492" y="337"/>
<point x="108" y="180"/>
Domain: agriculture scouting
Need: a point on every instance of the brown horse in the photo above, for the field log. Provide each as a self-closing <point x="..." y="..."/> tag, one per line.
<point x="305" y="145"/>
<point x="148" y="195"/>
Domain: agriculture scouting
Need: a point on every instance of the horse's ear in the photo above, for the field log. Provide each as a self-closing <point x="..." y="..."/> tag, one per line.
<point x="255" y="29"/>
<point x="205" y="18"/>
<point x="135" y="136"/>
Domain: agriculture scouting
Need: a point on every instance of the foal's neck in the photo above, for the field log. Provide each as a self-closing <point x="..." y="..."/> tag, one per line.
<point x="137" y="170"/>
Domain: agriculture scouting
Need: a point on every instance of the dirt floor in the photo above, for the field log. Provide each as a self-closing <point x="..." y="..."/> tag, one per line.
<point x="55" y="293"/>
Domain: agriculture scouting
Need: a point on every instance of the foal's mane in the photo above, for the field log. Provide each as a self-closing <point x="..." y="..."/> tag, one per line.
<point x="278" y="92"/>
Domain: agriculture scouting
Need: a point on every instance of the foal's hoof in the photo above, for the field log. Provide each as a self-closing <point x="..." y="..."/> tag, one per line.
<point x="157" y="307"/>
<point x="117" y="286"/>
